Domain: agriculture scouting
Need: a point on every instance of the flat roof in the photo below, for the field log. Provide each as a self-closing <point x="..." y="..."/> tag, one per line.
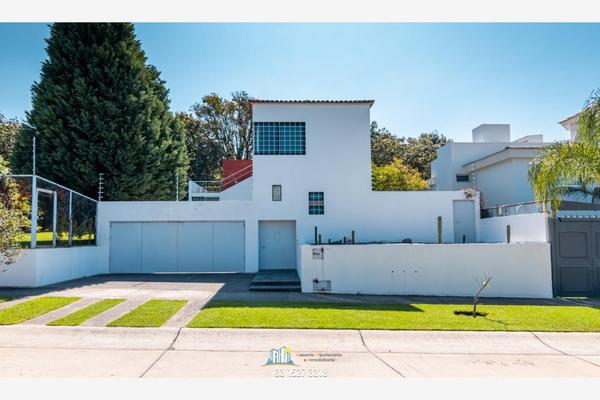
<point x="500" y="155"/>
<point x="369" y="102"/>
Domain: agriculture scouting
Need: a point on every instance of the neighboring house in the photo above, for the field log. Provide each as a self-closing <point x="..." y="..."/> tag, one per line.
<point x="571" y="124"/>
<point x="491" y="163"/>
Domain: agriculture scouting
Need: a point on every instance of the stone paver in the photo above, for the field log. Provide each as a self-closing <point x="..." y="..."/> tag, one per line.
<point x="186" y="313"/>
<point x="101" y="320"/>
<point x="61" y="312"/>
<point x="222" y="287"/>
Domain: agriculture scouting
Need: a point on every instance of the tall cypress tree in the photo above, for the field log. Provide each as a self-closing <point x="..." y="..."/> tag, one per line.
<point x="99" y="107"/>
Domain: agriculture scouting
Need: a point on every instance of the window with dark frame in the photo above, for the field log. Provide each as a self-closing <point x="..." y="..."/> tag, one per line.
<point x="276" y="193"/>
<point x="462" y="178"/>
<point x="279" y="138"/>
<point x="316" y="203"/>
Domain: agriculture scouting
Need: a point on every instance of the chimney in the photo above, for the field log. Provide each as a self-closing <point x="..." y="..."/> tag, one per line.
<point x="491" y="133"/>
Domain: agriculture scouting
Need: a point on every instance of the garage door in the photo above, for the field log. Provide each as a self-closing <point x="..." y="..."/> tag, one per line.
<point x="147" y="247"/>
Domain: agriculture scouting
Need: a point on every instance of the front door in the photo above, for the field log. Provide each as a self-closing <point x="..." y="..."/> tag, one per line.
<point x="277" y="241"/>
<point x="464" y="221"/>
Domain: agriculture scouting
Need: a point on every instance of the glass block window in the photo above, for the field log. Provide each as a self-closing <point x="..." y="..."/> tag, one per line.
<point x="316" y="203"/>
<point x="205" y="198"/>
<point x="276" y="193"/>
<point x="279" y="138"/>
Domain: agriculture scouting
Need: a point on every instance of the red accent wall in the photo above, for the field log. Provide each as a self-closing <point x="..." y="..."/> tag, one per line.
<point x="232" y="174"/>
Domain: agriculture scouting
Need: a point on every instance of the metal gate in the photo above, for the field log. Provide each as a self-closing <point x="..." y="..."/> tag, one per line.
<point x="576" y="257"/>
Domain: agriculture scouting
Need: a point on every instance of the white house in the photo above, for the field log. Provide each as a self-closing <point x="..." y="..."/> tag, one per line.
<point x="491" y="163"/>
<point x="309" y="184"/>
<point x="311" y="169"/>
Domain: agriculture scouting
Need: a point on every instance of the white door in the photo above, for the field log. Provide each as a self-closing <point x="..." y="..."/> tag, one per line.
<point x="277" y="241"/>
<point x="150" y="247"/>
<point x="159" y="247"/>
<point x="464" y="221"/>
<point x="228" y="247"/>
<point x="195" y="246"/>
<point x="125" y="247"/>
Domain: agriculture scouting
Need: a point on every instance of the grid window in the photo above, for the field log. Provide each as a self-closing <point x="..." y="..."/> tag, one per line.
<point x="205" y="198"/>
<point x="279" y="138"/>
<point x="276" y="193"/>
<point x="462" y="178"/>
<point x="316" y="203"/>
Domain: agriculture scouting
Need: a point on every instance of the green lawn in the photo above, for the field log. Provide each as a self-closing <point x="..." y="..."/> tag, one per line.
<point x="239" y="314"/>
<point x="45" y="239"/>
<point x="153" y="313"/>
<point x="33" y="308"/>
<point x="80" y="316"/>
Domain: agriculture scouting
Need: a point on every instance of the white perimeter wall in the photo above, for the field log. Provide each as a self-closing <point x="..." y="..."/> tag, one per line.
<point x="41" y="266"/>
<point x="384" y="216"/>
<point x="517" y="270"/>
<point x="524" y="228"/>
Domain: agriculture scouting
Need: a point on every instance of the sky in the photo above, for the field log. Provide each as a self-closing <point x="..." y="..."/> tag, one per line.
<point x="423" y="77"/>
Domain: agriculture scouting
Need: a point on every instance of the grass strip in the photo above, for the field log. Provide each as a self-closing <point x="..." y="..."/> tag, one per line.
<point x="33" y="308"/>
<point x="151" y="314"/>
<point x="548" y="318"/>
<point x="80" y="316"/>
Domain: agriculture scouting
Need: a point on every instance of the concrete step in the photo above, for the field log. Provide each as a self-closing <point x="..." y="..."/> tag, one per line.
<point x="276" y="288"/>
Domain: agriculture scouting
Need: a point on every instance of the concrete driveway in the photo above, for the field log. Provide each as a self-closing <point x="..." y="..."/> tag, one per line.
<point x="38" y="351"/>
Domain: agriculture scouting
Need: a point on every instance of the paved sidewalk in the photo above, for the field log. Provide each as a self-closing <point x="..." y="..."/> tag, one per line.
<point x="39" y="351"/>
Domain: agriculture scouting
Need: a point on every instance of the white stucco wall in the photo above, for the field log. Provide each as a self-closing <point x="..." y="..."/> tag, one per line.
<point x="44" y="266"/>
<point x="337" y="162"/>
<point x="504" y="183"/>
<point x="517" y="270"/>
<point x="451" y="158"/>
<point x="239" y="191"/>
<point x="524" y="228"/>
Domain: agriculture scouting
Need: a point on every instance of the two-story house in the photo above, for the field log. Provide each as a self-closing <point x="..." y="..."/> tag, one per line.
<point x="309" y="181"/>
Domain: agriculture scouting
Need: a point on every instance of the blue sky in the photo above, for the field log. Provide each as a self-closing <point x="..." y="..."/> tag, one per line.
<point x="449" y="77"/>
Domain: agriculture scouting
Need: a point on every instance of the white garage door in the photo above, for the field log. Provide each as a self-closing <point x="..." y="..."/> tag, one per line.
<point x="176" y="247"/>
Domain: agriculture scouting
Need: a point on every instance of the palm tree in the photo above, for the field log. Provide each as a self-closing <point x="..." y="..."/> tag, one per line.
<point x="571" y="167"/>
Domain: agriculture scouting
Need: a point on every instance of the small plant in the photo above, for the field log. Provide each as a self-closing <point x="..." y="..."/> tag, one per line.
<point x="483" y="283"/>
<point x="469" y="193"/>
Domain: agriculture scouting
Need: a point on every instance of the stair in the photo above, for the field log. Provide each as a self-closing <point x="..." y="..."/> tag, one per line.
<point x="276" y="280"/>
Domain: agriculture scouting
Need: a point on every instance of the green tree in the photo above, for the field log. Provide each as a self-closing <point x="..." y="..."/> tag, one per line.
<point x="417" y="153"/>
<point x="99" y="107"/>
<point x="397" y="177"/>
<point x="13" y="216"/>
<point x="8" y="133"/>
<point x="204" y="153"/>
<point x="227" y="123"/>
<point x="571" y="166"/>
<point x="385" y="147"/>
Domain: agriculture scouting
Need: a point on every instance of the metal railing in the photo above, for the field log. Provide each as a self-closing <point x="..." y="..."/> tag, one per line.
<point x="59" y="216"/>
<point x="219" y="186"/>
<point x="529" y="207"/>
